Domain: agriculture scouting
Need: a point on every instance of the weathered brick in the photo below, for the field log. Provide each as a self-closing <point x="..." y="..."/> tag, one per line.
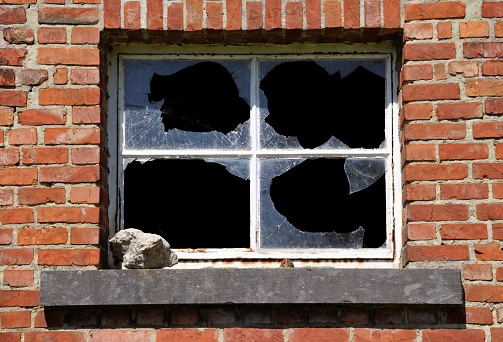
<point x="418" y="31"/>
<point x="432" y="131"/>
<point x="36" y="117"/>
<point x="463" y="231"/>
<point x="489" y="211"/>
<point x="89" y="195"/>
<point x="492" y="129"/>
<point x="132" y="12"/>
<point x="351" y="14"/>
<point x="48" y="319"/>
<point x="32" y="77"/>
<point x="14" y="57"/>
<point x="68" y="214"/>
<point x="89" y="155"/>
<point x="69" y="174"/>
<point x="85" y="76"/>
<point x="214" y="16"/>
<point x="85" y="115"/>
<point x="354" y="316"/>
<point x="484" y="87"/>
<point x="474" y="29"/>
<point x="498" y="29"/>
<point x="428" y="92"/>
<point x="420" y="192"/>
<point x="72" y="97"/>
<point x="13" y="98"/>
<point x="15" y="319"/>
<point x="464" y="191"/>
<point x="417" y="111"/>
<point x="115" y="335"/>
<point x="333" y="14"/>
<point x="37" y="236"/>
<point x="436" y="171"/>
<point x="463" y="151"/>
<point x="12" y="15"/>
<point x="437" y="212"/>
<point x="6" y="197"/>
<point x="492" y="9"/>
<point x="85" y="236"/>
<point x="19" y="298"/>
<point x="7" y="78"/>
<point x="496" y="334"/>
<point x="34" y="196"/>
<point x="467" y="69"/>
<point x="438" y="253"/>
<point x="66" y="15"/>
<point x="18" y="278"/>
<point x="492" y="68"/>
<point x="306" y="334"/>
<point x="444" y="30"/>
<point x="9" y="156"/>
<point x="61" y="76"/>
<point x="293" y="15"/>
<point x="417" y="72"/>
<point x="484" y="293"/>
<point x="422" y="316"/>
<point x="440" y="10"/>
<point x="18" y="176"/>
<point x="175" y="16"/>
<point x="389" y="316"/>
<point x="488" y="170"/>
<point x="16" y="256"/>
<point x="459" y="110"/>
<point x="6" y="117"/>
<point x="18" y="35"/>
<point x="69" y="56"/>
<point x="233" y="334"/>
<point x="488" y="252"/>
<point x="16" y="215"/>
<point x="23" y="136"/>
<point x="51" y="35"/>
<point x="483" y="50"/>
<point x="85" y="35"/>
<point x="420" y="152"/>
<point x="74" y="336"/>
<point x="421" y="231"/>
<point x="477" y="272"/>
<point x="254" y="15"/>
<point x="429" y="51"/>
<point x="78" y="257"/>
<point x="440" y="73"/>
<point x="79" y="136"/>
<point x="498" y="190"/>
<point x="391" y="13"/>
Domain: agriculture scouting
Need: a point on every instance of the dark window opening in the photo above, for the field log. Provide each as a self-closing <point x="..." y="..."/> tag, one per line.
<point x="315" y="197"/>
<point x="305" y="101"/>
<point x="199" y="98"/>
<point x="191" y="203"/>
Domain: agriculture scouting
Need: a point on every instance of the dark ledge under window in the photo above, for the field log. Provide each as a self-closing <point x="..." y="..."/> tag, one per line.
<point x="252" y="286"/>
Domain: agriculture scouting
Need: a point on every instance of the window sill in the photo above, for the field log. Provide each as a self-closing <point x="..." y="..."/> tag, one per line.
<point x="252" y="286"/>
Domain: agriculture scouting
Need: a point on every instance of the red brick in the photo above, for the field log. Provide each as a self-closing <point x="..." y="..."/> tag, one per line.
<point x="484" y="293"/>
<point x="498" y="190"/>
<point x="86" y="115"/>
<point x="1" y="138"/>
<point x="313" y="14"/>
<point x="492" y="9"/>
<point x="487" y="211"/>
<point x="61" y="76"/>
<point x="391" y="13"/>
<point x="423" y="92"/>
<point x="436" y="171"/>
<point x="467" y="69"/>
<point x="492" y="68"/>
<point x="333" y="14"/>
<point x="68" y="15"/>
<point x="420" y="192"/>
<point x="194" y="15"/>
<point x="254" y="15"/>
<point x="429" y="51"/>
<point x="85" y="76"/>
<point x="19" y="298"/>
<point x="459" y="110"/>
<point x="207" y="335"/>
<point x="69" y="174"/>
<point x="7" y="78"/>
<point x="432" y="131"/>
<point x="69" y="56"/>
<point x="488" y="170"/>
<point x="438" y="212"/>
<point x="309" y="334"/>
<point x="496" y="334"/>
<point x="418" y="111"/>
<point x="51" y="35"/>
<point x="18" y="278"/>
<point x="6" y="117"/>
<point x="18" y="176"/>
<point x="488" y="252"/>
<point x="438" y="253"/>
<point x="35" y="117"/>
<point x="389" y="316"/>
<point x="37" y="236"/>
<point x="69" y="97"/>
<point x="18" y="35"/>
<point x="14" y="57"/>
<point x="477" y="272"/>
<point x="421" y="231"/>
<point x="354" y="316"/>
<point x="440" y="73"/>
<point x="48" y="319"/>
<point x="23" y="136"/>
<point x="486" y="50"/>
<point x="175" y="16"/>
<point x="85" y="195"/>
<point x="77" y="136"/>
<point x="86" y="155"/>
<point x="112" y="14"/>
<point x="13" y="98"/>
<point x="214" y="13"/>
<point x="16" y="215"/>
<point x="464" y="191"/>
<point x="68" y="214"/>
<point x="85" y="35"/>
<point x="498" y="29"/>
<point x="418" y="31"/>
<point x="240" y="334"/>
<point x="45" y="155"/>
<point x="138" y="335"/>
<point x="9" y="156"/>
<point x="384" y="335"/>
<point x="463" y="151"/>
<point x="293" y="15"/>
<point x="234" y="14"/>
<point x="85" y="236"/>
<point x="32" y="77"/>
<point x="132" y="13"/>
<point x="67" y="257"/>
<point x="73" y="336"/>
<point x="16" y="256"/>
<point x="484" y="87"/>
<point x="437" y="10"/>
<point x="12" y="15"/>
<point x="473" y="29"/>
<point x="372" y="12"/>
<point x="463" y="231"/>
<point x="34" y="196"/>
<point x="444" y="30"/>
<point x="15" y="319"/>
<point x="351" y="14"/>
<point x="417" y="72"/>
<point x="499" y="277"/>
<point x="492" y="129"/>
<point x="6" y="197"/>
<point x="420" y="152"/>
<point x="154" y="14"/>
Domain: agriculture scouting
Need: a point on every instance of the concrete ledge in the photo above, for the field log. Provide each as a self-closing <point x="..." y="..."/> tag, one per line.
<point x="252" y="286"/>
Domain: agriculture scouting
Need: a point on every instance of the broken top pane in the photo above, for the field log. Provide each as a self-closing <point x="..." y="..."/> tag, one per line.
<point x="186" y="104"/>
<point x="322" y="104"/>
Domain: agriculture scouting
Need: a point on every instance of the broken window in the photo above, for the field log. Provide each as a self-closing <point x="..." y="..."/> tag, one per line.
<point x="258" y="154"/>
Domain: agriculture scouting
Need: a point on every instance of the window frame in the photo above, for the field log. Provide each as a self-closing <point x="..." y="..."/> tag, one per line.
<point x="388" y="256"/>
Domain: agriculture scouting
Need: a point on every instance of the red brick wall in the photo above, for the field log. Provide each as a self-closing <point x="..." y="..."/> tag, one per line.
<point x="53" y="194"/>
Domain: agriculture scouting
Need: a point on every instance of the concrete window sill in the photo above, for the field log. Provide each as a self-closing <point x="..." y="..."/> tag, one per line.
<point x="251" y="286"/>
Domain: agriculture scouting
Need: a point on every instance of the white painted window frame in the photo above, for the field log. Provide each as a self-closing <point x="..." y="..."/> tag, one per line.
<point x="381" y="257"/>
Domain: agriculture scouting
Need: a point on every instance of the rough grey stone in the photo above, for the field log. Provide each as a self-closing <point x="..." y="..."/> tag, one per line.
<point x="252" y="286"/>
<point x="137" y="249"/>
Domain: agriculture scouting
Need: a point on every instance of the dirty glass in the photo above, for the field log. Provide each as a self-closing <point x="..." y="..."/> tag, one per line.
<point x="186" y="104"/>
<point x="322" y="104"/>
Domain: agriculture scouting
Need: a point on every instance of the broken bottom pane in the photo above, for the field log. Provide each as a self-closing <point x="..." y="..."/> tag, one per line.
<point x="309" y="205"/>
<point x="191" y="203"/>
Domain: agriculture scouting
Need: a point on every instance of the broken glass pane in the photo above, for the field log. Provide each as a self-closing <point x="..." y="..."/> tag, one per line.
<point x="363" y="172"/>
<point x="303" y="104"/>
<point x="310" y="206"/>
<point x="191" y="203"/>
<point x="236" y="167"/>
<point x="184" y="104"/>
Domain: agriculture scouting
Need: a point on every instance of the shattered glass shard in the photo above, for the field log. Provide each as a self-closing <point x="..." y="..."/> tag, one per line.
<point x="363" y="172"/>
